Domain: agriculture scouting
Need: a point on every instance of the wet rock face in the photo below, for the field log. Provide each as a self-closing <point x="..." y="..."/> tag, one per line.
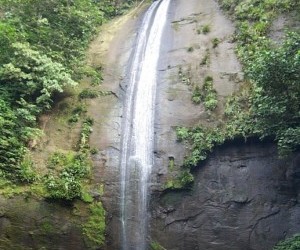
<point x="243" y="197"/>
<point x="27" y="223"/>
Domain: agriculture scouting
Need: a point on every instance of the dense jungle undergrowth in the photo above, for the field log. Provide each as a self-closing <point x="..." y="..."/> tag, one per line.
<point x="42" y="60"/>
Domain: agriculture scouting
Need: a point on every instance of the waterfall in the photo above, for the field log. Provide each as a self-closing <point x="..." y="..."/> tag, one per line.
<point x="138" y="128"/>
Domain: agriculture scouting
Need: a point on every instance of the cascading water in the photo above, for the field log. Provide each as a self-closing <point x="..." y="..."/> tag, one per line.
<point x="138" y="128"/>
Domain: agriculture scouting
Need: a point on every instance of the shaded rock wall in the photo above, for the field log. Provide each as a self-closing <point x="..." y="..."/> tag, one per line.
<point x="243" y="197"/>
<point x="28" y="223"/>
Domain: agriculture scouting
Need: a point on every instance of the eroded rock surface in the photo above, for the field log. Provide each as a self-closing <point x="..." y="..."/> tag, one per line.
<point x="243" y="198"/>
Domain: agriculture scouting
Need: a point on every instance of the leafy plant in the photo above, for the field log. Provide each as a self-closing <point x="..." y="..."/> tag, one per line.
<point x="94" y="228"/>
<point x="215" y="42"/>
<point x="88" y="93"/>
<point x="197" y="96"/>
<point x="205" y="29"/>
<point x="65" y="183"/>
<point x="154" y="245"/>
<point x="207" y="94"/>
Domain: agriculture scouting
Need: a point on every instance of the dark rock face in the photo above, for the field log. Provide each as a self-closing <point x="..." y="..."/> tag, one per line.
<point x="243" y="197"/>
<point x="28" y="223"/>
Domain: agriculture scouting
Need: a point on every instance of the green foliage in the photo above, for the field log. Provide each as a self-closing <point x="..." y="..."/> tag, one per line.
<point x="8" y="36"/>
<point x="88" y="94"/>
<point x="182" y="133"/>
<point x="13" y="165"/>
<point x="197" y="96"/>
<point x="268" y="104"/>
<point x="85" y="133"/>
<point x="270" y="108"/>
<point x="26" y="173"/>
<point x="207" y="94"/>
<point x="184" y="181"/>
<point x="42" y="45"/>
<point x="215" y="42"/>
<point x="154" y="245"/>
<point x="171" y="163"/>
<point x="94" y="228"/>
<point x="87" y="197"/>
<point x="94" y="74"/>
<point x="205" y="29"/>
<point x="275" y="100"/>
<point x="202" y="140"/>
<point x="33" y="78"/>
<point x="65" y="181"/>
<point x="63" y="27"/>
<point x="289" y="244"/>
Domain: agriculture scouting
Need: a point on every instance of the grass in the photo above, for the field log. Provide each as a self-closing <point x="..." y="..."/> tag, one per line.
<point x="205" y="29"/>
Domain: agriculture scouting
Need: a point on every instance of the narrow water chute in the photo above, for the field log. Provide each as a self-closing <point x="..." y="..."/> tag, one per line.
<point x="138" y="128"/>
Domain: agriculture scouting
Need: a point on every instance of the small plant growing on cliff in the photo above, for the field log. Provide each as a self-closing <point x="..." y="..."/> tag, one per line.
<point x="215" y="42"/>
<point x="190" y="49"/>
<point x="205" y="59"/>
<point x="64" y="180"/>
<point x="207" y="94"/>
<point x="197" y="96"/>
<point x="154" y="245"/>
<point x="88" y="94"/>
<point x="205" y="29"/>
<point x="184" y="76"/>
<point x="94" y="228"/>
<point x="182" y="133"/>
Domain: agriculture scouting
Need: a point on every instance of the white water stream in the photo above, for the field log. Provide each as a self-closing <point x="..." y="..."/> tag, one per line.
<point x="138" y="128"/>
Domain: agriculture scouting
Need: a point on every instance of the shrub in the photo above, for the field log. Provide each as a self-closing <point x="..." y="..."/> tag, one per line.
<point x="88" y="94"/>
<point x="65" y="182"/>
<point x="207" y="94"/>
<point x="94" y="228"/>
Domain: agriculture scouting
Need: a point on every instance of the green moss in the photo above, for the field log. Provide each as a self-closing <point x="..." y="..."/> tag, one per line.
<point x="171" y="163"/>
<point x="94" y="228"/>
<point x="215" y="42"/>
<point x="289" y="244"/>
<point x="154" y="245"/>
<point x="184" y="181"/>
<point x="86" y="197"/>
<point x="47" y="227"/>
<point x="190" y="49"/>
